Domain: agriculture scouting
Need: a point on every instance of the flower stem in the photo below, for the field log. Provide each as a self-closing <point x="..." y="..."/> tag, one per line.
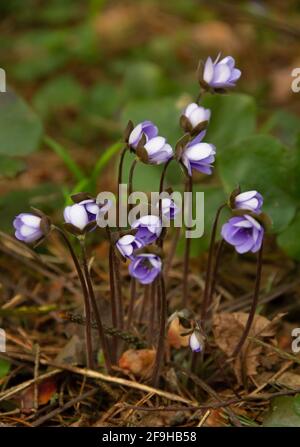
<point x="88" y="325"/>
<point x="210" y="264"/>
<point x="253" y="306"/>
<point x="162" y="331"/>
<point x="120" y="176"/>
<point x="103" y="339"/>
<point x="130" y="180"/>
<point x="171" y="254"/>
<point x="144" y="303"/>
<point x="215" y="272"/>
<point x="186" y="261"/>
<point x="153" y="310"/>
<point x="131" y="303"/>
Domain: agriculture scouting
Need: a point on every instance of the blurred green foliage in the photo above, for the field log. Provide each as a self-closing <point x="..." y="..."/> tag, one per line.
<point x="84" y="92"/>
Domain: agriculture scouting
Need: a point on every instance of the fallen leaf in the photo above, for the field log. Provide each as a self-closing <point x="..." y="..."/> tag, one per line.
<point x="228" y="329"/>
<point x="175" y="338"/>
<point x="46" y="390"/>
<point x="139" y="362"/>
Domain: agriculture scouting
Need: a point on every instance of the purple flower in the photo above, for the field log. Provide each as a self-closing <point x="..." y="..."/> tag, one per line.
<point x="145" y="268"/>
<point x="198" y="155"/>
<point x="148" y="228"/>
<point x="244" y="233"/>
<point x="128" y="244"/>
<point x="195" y="342"/>
<point x="27" y="227"/>
<point x="158" y="151"/>
<point x="196" y="115"/>
<point x="169" y="209"/>
<point x="82" y="213"/>
<point x="249" y="200"/>
<point x="221" y="74"/>
<point x="147" y="128"/>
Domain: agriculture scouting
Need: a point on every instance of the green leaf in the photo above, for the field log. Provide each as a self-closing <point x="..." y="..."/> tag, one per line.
<point x="214" y="196"/>
<point x="146" y="177"/>
<point x="9" y="167"/>
<point x="142" y="80"/>
<point x="233" y="118"/>
<point x="289" y="239"/>
<point x="259" y="162"/>
<point x="58" y="94"/>
<point x="20" y="128"/>
<point x="283" y="413"/>
<point x="4" y="367"/>
<point x="66" y="157"/>
<point x="47" y="197"/>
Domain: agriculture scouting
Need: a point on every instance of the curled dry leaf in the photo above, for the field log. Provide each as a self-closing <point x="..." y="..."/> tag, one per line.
<point x="138" y="361"/>
<point x="175" y="337"/>
<point x="228" y="329"/>
<point x="46" y="390"/>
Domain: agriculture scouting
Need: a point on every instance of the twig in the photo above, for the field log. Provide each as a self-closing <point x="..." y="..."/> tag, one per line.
<point x="65" y="407"/>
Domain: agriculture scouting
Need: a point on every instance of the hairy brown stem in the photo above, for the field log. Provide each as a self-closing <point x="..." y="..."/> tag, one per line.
<point x="186" y="261"/>
<point x="215" y="272"/>
<point x="88" y="326"/>
<point x="103" y="339"/>
<point x="210" y="264"/>
<point x="253" y="306"/>
<point x="153" y="311"/>
<point x="144" y="303"/>
<point x="130" y="180"/>
<point x="120" y="176"/>
<point x="171" y="253"/>
<point x="162" y="331"/>
<point x="131" y="302"/>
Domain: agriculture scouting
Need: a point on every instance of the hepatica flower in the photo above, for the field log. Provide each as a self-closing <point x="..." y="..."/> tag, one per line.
<point x="148" y="228"/>
<point x="169" y="209"/>
<point x="145" y="268"/>
<point x="198" y="155"/>
<point x="128" y="244"/>
<point x="28" y="227"/>
<point x="243" y="232"/>
<point x="249" y="200"/>
<point x="221" y="73"/>
<point x="82" y="213"/>
<point x="195" y="343"/>
<point x="147" y="128"/>
<point x="157" y="151"/>
<point x="194" y="118"/>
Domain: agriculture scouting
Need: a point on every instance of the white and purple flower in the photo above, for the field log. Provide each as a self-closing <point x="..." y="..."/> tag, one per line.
<point x="243" y="232"/>
<point x="147" y="128"/>
<point x="221" y="74"/>
<point x="128" y="244"/>
<point x="195" y="342"/>
<point x="83" y="213"/>
<point x="194" y="118"/>
<point x="158" y="151"/>
<point x="148" y="227"/>
<point x="199" y="155"/>
<point x="145" y="268"/>
<point x="249" y="200"/>
<point x="28" y="227"/>
<point x="169" y="209"/>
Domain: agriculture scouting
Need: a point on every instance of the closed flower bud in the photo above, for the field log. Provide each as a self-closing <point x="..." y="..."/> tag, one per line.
<point x="156" y="151"/>
<point x="128" y="244"/>
<point x="28" y="227"/>
<point x="196" y="342"/>
<point x="220" y="74"/>
<point x="243" y="232"/>
<point x="147" y="128"/>
<point x="145" y="268"/>
<point x="195" y="118"/>
<point x="82" y="214"/>
<point x="198" y="155"/>
<point x="249" y="200"/>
